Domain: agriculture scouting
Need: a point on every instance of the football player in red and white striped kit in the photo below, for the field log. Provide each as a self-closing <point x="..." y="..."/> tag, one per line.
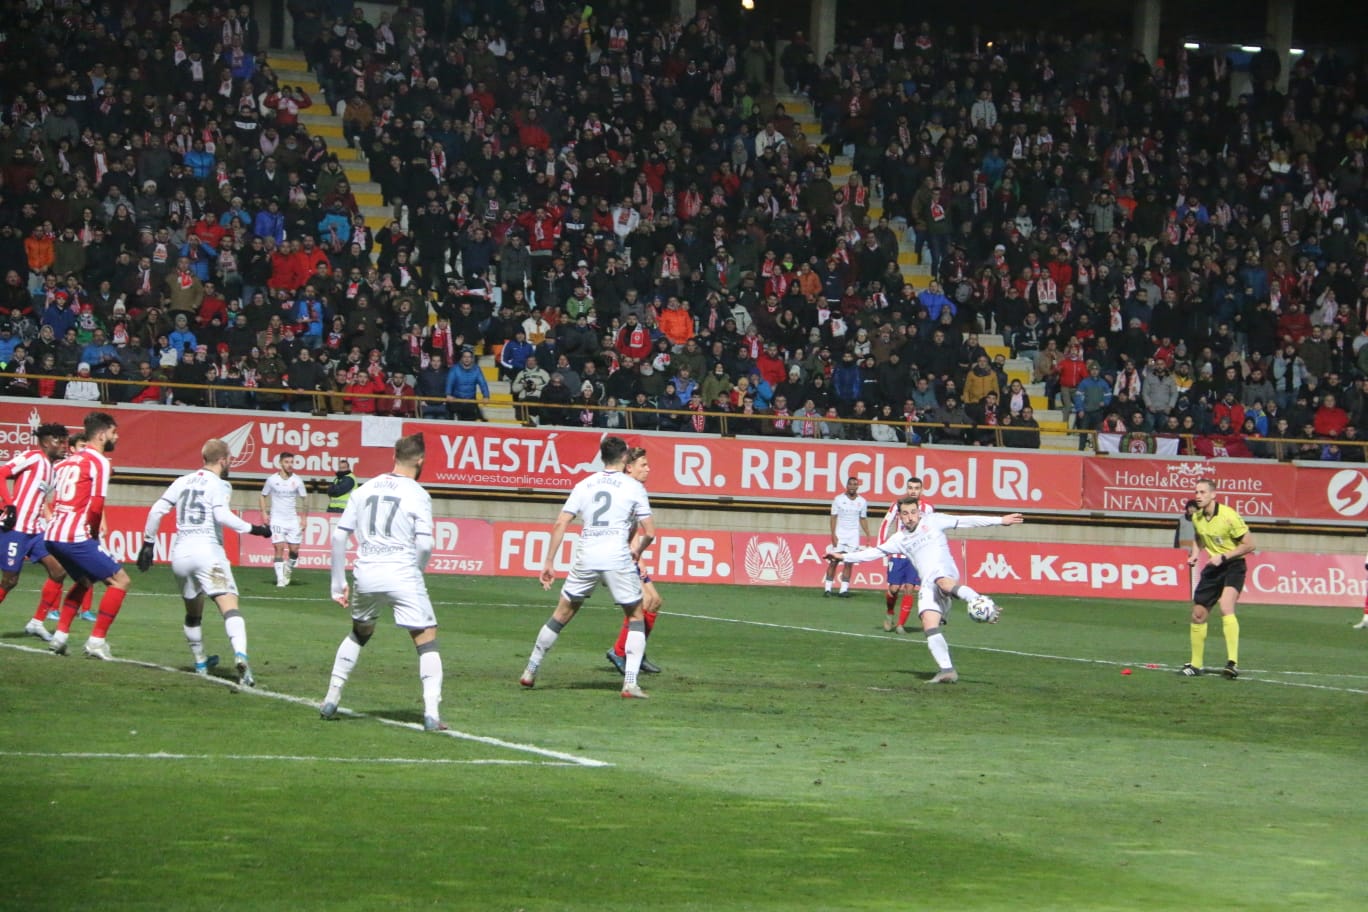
<point x="902" y="576"/>
<point x="80" y="485"/>
<point x="21" y="520"/>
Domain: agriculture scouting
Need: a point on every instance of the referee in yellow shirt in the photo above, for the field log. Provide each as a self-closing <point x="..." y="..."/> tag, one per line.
<point x="1226" y="538"/>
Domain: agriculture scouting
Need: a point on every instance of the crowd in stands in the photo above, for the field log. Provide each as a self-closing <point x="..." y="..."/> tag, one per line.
<point x="622" y="209"/>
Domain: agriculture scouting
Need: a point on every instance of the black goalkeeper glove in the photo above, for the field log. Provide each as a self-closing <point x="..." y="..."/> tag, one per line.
<point x="8" y="517"/>
<point x="263" y="531"/>
<point x="145" y="556"/>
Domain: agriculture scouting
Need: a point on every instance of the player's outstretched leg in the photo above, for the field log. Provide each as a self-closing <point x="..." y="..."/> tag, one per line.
<point x="636" y="648"/>
<point x="546" y="638"/>
<point x="348" y="652"/>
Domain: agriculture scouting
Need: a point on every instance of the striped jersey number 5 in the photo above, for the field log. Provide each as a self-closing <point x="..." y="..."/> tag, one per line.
<point x="373" y="507"/>
<point x="65" y="483"/>
<point x="603" y="501"/>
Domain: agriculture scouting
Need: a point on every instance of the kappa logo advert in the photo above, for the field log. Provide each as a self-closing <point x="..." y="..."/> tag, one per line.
<point x="995" y="566"/>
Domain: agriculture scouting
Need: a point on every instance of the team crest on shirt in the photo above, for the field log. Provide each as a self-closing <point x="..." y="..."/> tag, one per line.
<point x="768" y="561"/>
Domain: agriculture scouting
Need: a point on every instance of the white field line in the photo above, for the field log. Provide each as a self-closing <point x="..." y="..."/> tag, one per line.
<point x="1143" y="666"/>
<point x="573" y="759"/>
<point x="278" y="758"/>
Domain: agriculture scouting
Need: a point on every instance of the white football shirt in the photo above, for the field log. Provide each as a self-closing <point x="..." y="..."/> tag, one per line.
<point x="283" y="495"/>
<point x="927" y="546"/>
<point x="848" y="512"/>
<point x="608" y="504"/>
<point x="387" y="515"/>
<point x="892" y="524"/>
<point x="201" y="504"/>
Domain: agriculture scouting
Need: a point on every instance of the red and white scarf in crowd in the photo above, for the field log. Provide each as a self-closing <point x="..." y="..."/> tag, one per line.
<point x="669" y="265"/>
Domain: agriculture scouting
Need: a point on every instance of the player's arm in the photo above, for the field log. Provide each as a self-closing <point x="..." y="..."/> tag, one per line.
<point x="163" y="505"/>
<point x="645" y="536"/>
<point x="1243" y="545"/>
<point x="834" y="539"/>
<point x="302" y="503"/>
<point x="9" y="513"/>
<point x="265" y="504"/>
<point x="864" y="527"/>
<point x="548" y="572"/>
<point x="345" y="525"/>
<point x="1195" y="554"/>
<point x="99" y="488"/>
<point x="978" y="522"/>
<point x="881" y="551"/>
<point x="226" y="517"/>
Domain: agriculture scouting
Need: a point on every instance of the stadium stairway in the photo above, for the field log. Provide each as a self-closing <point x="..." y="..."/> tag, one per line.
<point x="1053" y="423"/>
<point x="291" y="69"/>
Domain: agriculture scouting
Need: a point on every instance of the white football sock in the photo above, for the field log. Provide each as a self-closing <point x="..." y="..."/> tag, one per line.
<point x="194" y="636"/>
<point x="546" y="638"/>
<point x="430" y="673"/>
<point x="964" y="592"/>
<point x="940" y="649"/>
<point x="635" y="650"/>
<point x="845" y="585"/>
<point x="347" y="655"/>
<point x="236" y="628"/>
<point x="279" y="571"/>
<point x="826" y="585"/>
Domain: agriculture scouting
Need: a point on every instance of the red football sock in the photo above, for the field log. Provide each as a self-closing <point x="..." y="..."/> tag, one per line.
<point x="650" y="617"/>
<point x="110" y="604"/>
<point x="890" y="597"/>
<point x="3" y="593"/>
<point x="620" y="647"/>
<point x="85" y="602"/>
<point x="71" y="606"/>
<point x="906" y="611"/>
<point x="51" y="595"/>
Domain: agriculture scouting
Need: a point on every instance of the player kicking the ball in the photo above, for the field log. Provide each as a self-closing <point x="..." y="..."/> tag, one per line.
<point x="922" y="541"/>
<point x="21" y="521"/>
<point x="610" y="505"/>
<point x="391" y="517"/>
<point x="200" y="501"/>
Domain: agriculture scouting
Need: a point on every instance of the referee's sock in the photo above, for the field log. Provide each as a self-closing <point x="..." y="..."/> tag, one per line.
<point x="1230" y="626"/>
<point x="1198" y="634"/>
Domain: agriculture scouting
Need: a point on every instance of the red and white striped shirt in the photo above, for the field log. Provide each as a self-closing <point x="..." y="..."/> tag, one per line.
<point x="890" y="526"/>
<point x="79" y="479"/>
<point x="32" y="474"/>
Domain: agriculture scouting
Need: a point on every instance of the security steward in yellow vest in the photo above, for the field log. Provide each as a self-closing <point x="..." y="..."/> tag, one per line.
<point x="339" y="491"/>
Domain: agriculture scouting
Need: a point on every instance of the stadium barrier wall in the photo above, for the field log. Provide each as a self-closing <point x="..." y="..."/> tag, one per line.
<point x="166" y="440"/>
<point x="997" y="565"/>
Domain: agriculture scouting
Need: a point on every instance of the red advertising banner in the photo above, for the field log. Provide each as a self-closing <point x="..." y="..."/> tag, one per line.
<point x="168" y="439"/>
<point x="1106" y="572"/>
<point x="754" y="469"/>
<point x="1150" y="486"/>
<point x="1331" y="492"/>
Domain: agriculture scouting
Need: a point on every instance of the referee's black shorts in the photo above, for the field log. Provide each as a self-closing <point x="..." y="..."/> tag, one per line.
<point x="1215" y="578"/>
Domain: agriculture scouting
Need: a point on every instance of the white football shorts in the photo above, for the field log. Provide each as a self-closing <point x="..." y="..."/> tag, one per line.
<point x="203" y="571"/>
<point x="286" y="533"/>
<point x="379" y="588"/>
<point x="624" y="584"/>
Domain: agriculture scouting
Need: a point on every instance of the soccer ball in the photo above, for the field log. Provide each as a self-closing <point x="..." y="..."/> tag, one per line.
<point x="983" y="610"/>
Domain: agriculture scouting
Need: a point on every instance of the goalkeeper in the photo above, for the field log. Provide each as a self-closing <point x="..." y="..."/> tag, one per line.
<point x="921" y="539"/>
<point x="200" y="501"/>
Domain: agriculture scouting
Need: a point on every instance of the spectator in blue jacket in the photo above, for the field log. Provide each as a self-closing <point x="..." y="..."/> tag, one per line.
<point x="270" y="222"/>
<point x="465" y="379"/>
<point x="514" y="355"/>
<point x="935" y="301"/>
<point x="845" y="379"/>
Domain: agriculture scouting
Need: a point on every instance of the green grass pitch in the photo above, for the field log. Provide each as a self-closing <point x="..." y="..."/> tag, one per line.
<point x="792" y="757"/>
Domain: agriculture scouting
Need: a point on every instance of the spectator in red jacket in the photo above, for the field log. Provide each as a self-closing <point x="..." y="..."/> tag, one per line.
<point x="1331" y="420"/>
<point x="634" y="339"/>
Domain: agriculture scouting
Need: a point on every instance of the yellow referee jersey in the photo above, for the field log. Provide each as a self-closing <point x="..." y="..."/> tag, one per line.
<point x="1221" y="532"/>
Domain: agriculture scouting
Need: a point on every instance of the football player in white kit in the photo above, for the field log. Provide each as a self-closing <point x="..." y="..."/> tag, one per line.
<point x="284" y="509"/>
<point x="849" y="526"/>
<point x="391" y="518"/>
<point x="922" y="541"/>
<point x="200" y="501"/>
<point x="609" y="504"/>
